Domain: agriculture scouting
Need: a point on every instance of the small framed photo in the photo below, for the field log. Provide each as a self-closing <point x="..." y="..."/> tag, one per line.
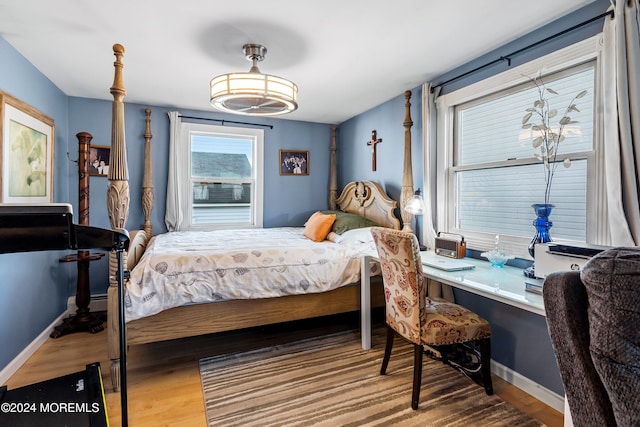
<point x="99" y="160"/>
<point x="26" y="155"/>
<point x="294" y="162"/>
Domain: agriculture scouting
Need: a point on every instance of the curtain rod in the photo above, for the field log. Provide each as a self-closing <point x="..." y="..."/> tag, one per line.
<point x="226" y="121"/>
<point x="508" y="56"/>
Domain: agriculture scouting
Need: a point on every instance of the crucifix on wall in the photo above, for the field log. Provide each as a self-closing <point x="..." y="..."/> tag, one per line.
<point x="374" y="141"/>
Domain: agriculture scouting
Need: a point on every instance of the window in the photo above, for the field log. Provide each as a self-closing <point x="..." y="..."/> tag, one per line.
<point x="225" y="176"/>
<point x="489" y="174"/>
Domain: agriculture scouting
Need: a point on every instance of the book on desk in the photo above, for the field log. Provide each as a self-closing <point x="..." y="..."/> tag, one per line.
<point x="533" y="285"/>
<point x="447" y="264"/>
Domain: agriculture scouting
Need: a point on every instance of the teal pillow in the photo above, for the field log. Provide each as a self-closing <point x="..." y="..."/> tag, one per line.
<point x="347" y="221"/>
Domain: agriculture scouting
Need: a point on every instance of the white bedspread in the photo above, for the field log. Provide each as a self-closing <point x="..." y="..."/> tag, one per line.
<point x="189" y="267"/>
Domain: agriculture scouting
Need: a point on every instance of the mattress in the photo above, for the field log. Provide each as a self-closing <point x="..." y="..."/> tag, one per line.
<point x="194" y="267"/>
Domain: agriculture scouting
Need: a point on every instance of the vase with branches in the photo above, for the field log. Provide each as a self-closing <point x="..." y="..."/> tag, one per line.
<point x="547" y="127"/>
<point x="548" y="134"/>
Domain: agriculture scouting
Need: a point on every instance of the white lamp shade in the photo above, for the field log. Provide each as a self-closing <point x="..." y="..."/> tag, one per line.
<point x="415" y="205"/>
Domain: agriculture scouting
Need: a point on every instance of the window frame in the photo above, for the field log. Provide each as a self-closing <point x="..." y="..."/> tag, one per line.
<point x="256" y="136"/>
<point x="572" y="56"/>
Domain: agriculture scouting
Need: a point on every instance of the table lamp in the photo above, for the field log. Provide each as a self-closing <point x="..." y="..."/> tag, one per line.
<point x="415" y="206"/>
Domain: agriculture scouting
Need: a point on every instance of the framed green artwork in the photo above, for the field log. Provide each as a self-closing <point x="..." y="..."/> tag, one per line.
<point x="26" y="164"/>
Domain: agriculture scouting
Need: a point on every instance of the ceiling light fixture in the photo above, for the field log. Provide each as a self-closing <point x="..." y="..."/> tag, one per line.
<point x="253" y="93"/>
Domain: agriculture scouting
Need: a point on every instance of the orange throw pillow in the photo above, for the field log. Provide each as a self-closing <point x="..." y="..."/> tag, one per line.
<point x="318" y="226"/>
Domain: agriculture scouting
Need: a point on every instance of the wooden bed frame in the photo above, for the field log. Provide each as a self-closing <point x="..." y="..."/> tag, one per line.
<point x="364" y="198"/>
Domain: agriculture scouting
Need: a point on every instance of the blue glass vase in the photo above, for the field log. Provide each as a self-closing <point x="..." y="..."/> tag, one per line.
<point x="542" y="225"/>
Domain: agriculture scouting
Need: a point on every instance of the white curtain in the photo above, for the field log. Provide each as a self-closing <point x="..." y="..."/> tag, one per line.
<point x="429" y="119"/>
<point x="173" y="216"/>
<point x="621" y="118"/>
<point x="429" y="141"/>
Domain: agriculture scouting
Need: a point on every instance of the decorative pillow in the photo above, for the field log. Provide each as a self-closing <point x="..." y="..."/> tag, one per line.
<point x="357" y="235"/>
<point x="137" y="245"/>
<point x="333" y="237"/>
<point x="348" y="221"/>
<point x="318" y="226"/>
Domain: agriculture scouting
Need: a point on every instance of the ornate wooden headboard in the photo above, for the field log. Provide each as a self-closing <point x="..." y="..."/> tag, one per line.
<point x="368" y="199"/>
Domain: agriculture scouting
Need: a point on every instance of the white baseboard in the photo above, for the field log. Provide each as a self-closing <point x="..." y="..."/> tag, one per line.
<point x="29" y="350"/>
<point x="541" y="393"/>
<point x="97" y="303"/>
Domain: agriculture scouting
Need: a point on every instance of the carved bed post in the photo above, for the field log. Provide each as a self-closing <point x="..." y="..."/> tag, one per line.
<point x="118" y="189"/>
<point x="333" y="179"/>
<point x="407" y="176"/>
<point x="147" y="179"/>
<point x="117" y="206"/>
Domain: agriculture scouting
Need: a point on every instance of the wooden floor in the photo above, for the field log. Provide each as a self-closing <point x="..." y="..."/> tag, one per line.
<point x="164" y="381"/>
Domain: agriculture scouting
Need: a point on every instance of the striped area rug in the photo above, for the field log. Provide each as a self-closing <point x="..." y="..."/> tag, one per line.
<point x="331" y="381"/>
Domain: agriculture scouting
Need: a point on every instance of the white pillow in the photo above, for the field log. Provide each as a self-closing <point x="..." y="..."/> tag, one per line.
<point x="356" y="235"/>
<point x="332" y="236"/>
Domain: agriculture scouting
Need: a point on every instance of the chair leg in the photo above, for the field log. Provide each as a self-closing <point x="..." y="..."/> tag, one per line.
<point x="417" y="375"/>
<point x="444" y="351"/>
<point x="485" y="360"/>
<point x="387" y="350"/>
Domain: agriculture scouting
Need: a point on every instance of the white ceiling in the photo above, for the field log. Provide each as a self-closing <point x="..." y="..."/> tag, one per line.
<point x="346" y="56"/>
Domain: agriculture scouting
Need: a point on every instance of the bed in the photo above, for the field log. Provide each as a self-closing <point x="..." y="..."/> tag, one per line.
<point x="190" y="313"/>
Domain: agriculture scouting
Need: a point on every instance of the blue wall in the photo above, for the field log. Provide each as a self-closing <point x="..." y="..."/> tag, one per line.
<point x="288" y="200"/>
<point x="354" y="156"/>
<point x="520" y="338"/>
<point x="34" y="287"/>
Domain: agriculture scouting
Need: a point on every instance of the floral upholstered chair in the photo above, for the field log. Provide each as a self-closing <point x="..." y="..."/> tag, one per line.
<point x="418" y="319"/>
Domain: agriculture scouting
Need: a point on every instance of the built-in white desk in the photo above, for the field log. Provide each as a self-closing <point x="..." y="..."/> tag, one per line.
<point x="504" y="284"/>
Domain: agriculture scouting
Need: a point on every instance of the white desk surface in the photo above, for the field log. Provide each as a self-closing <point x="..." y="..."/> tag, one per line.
<point x="504" y="284"/>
